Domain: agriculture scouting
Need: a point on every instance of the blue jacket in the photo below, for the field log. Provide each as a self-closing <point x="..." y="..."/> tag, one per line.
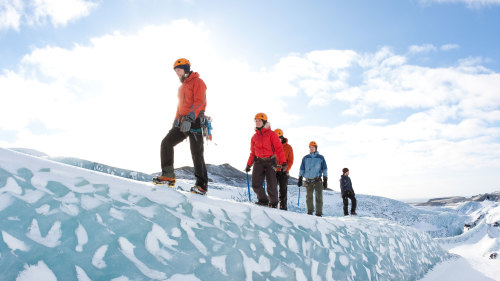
<point x="313" y="166"/>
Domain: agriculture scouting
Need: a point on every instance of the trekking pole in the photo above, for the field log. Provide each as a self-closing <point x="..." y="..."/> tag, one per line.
<point x="264" y="184"/>
<point x="298" y="201"/>
<point x="248" y="184"/>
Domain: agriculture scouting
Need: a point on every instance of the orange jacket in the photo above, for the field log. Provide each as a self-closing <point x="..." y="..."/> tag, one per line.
<point x="288" y="154"/>
<point x="192" y="97"/>
<point x="266" y="143"/>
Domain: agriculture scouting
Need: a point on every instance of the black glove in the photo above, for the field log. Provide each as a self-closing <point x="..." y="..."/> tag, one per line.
<point x="248" y="168"/>
<point x="283" y="167"/>
<point x="299" y="184"/>
<point x="185" y="126"/>
<point x="325" y="182"/>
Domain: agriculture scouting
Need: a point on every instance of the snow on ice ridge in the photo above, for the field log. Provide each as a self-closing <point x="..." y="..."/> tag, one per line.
<point x="55" y="217"/>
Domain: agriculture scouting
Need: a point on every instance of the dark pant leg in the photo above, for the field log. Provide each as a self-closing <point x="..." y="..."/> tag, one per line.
<point x="346" y="203"/>
<point x="353" y="203"/>
<point x="197" y="149"/>
<point x="309" y="197"/>
<point x="174" y="137"/>
<point x="318" y="189"/>
<point x="258" y="176"/>
<point x="272" y="189"/>
<point x="282" y="178"/>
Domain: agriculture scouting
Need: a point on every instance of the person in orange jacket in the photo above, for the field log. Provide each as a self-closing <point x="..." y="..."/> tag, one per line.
<point x="188" y="121"/>
<point x="265" y="147"/>
<point x="283" y="174"/>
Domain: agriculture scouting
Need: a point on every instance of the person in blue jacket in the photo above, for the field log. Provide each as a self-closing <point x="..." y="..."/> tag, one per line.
<point x="313" y="166"/>
<point x="347" y="192"/>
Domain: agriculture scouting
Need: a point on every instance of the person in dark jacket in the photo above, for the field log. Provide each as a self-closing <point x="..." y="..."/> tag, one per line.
<point x="346" y="192"/>
<point x="266" y="151"/>
<point x="282" y="175"/>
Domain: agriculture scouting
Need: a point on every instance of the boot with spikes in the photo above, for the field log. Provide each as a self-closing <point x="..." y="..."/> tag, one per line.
<point x="161" y="180"/>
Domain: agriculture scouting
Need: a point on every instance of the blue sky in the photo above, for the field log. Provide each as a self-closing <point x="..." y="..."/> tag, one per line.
<point x="404" y="93"/>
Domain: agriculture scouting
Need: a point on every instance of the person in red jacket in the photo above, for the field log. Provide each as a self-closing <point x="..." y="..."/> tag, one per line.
<point x="265" y="147"/>
<point x="282" y="174"/>
<point x="188" y="121"/>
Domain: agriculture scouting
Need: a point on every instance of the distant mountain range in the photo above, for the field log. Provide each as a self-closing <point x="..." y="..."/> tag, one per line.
<point x="224" y="173"/>
<point x="443" y="201"/>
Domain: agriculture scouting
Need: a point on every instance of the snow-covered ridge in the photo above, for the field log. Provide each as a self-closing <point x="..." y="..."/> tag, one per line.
<point x="444" y="201"/>
<point x="224" y="173"/>
<point x="58" y="221"/>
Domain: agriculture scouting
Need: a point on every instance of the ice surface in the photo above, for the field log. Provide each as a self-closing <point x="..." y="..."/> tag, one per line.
<point x="81" y="236"/>
<point x="81" y="275"/>
<point x="109" y="228"/>
<point x="14" y="243"/>
<point x="39" y="271"/>
<point x="98" y="258"/>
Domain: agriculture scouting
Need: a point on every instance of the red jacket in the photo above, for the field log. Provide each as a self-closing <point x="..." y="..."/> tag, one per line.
<point x="192" y="97"/>
<point x="265" y="143"/>
<point x="288" y="154"/>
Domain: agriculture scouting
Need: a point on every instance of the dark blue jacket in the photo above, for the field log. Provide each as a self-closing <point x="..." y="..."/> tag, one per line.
<point x="345" y="184"/>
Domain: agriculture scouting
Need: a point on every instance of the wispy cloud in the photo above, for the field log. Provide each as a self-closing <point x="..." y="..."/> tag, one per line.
<point x="10" y="14"/>
<point x="469" y="3"/>
<point x="448" y="47"/>
<point x="15" y="13"/>
<point x="415" y="49"/>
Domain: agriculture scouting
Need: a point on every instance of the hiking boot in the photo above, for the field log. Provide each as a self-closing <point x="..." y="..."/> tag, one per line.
<point x="159" y="180"/>
<point x="199" y="190"/>
<point x="346" y="214"/>
<point x="354" y="214"/>
<point x="310" y="214"/>
<point x="273" y="205"/>
<point x="262" y="203"/>
<point x="318" y="215"/>
<point x="284" y="208"/>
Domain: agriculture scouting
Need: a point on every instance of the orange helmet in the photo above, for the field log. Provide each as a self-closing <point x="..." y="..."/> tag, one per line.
<point x="279" y="132"/>
<point x="261" y="116"/>
<point x="181" y="62"/>
<point x="313" y="143"/>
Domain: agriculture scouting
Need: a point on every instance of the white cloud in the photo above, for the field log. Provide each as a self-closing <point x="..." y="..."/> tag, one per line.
<point x="14" y="13"/>
<point x="10" y="14"/>
<point x="448" y="47"/>
<point x="469" y="3"/>
<point x="60" y="12"/>
<point x="415" y="49"/>
<point x="450" y="123"/>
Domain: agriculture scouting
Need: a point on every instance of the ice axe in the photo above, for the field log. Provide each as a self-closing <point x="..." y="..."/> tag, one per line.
<point x="248" y="184"/>
<point x="298" y="201"/>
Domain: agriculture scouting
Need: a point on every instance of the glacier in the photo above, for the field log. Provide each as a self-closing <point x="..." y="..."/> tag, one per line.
<point x="59" y="222"/>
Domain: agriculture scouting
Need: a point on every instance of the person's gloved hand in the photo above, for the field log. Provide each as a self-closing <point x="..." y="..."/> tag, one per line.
<point x="185" y="126"/>
<point x="325" y="182"/>
<point x="299" y="184"/>
<point x="284" y="167"/>
<point x="248" y="168"/>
